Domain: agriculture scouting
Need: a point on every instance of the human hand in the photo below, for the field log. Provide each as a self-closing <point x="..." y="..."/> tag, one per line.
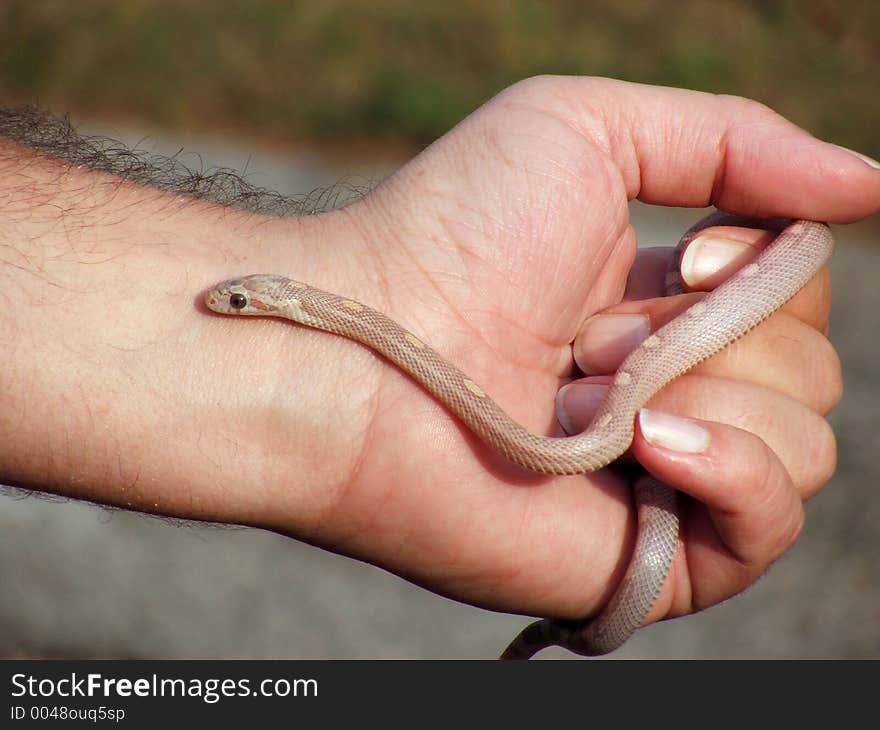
<point x="517" y="226"/>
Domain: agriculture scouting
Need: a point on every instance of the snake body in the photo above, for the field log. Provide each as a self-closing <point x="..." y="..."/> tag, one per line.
<point x="724" y="315"/>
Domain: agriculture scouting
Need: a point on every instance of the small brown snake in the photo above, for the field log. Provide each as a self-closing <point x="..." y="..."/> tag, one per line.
<point x="724" y="315"/>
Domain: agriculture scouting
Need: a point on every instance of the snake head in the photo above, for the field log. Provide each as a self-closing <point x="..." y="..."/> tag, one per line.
<point x="247" y="295"/>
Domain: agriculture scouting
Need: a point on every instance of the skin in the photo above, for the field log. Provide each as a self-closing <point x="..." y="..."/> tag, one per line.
<point x="499" y="244"/>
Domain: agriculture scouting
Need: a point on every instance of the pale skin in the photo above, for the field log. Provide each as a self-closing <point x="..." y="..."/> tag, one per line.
<point x="499" y="245"/>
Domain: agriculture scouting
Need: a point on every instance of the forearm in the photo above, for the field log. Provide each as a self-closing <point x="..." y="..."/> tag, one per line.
<point x="120" y="388"/>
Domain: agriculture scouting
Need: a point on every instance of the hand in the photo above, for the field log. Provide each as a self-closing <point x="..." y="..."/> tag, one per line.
<point x="759" y="384"/>
<point x="500" y="241"/>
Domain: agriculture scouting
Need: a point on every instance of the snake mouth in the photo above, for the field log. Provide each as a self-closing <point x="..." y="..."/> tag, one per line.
<point x="212" y="300"/>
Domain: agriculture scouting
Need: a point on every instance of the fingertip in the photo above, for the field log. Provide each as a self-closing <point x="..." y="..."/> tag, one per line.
<point x="711" y="258"/>
<point x="673" y="433"/>
<point x="577" y="403"/>
<point x="563" y="415"/>
<point x="754" y="504"/>
<point x="606" y="339"/>
<point x="690" y="454"/>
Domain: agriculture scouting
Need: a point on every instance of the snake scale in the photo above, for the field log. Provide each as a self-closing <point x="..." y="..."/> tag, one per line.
<point x="798" y="251"/>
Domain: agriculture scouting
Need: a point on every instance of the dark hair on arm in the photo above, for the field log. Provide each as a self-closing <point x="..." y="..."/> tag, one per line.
<point x="55" y="136"/>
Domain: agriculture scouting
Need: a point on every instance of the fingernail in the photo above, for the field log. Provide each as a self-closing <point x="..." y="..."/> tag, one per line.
<point x="611" y="338"/>
<point x="576" y="403"/>
<point x="672" y="432"/>
<point x="707" y="255"/>
<point x="864" y="158"/>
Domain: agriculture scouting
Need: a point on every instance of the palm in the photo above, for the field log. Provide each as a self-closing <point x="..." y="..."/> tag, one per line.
<point x="513" y="251"/>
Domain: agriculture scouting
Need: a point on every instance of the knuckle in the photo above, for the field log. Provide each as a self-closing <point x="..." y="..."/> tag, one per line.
<point x="742" y="107"/>
<point x="822" y="461"/>
<point x="789" y="535"/>
<point x="829" y="378"/>
<point x="538" y="84"/>
<point x="774" y="501"/>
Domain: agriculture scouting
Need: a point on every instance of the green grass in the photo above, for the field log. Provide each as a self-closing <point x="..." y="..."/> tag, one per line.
<point x="406" y="71"/>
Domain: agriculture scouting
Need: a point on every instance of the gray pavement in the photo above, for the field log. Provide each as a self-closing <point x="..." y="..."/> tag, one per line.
<point x="79" y="581"/>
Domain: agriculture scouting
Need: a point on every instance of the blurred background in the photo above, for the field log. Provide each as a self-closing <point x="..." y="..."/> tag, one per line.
<point x="320" y="100"/>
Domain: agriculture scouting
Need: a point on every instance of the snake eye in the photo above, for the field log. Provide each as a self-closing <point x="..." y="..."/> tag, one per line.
<point x="237" y="301"/>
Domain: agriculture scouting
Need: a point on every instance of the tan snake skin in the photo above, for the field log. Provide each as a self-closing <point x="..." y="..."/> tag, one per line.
<point x="724" y="315"/>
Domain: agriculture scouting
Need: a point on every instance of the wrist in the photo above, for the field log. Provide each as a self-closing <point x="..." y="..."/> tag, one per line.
<point x="120" y="389"/>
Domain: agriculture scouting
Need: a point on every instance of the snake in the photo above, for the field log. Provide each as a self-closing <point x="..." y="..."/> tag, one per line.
<point x="796" y="253"/>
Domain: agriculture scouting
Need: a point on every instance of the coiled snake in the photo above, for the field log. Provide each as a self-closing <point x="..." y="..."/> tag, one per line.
<point x="724" y="315"/>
